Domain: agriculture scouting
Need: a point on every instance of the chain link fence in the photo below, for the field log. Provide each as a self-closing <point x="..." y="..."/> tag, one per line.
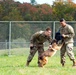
<point x="15" y="35"/>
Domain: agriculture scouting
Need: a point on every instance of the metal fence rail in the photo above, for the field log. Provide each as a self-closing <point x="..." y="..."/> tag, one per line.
<point x="16" y="34"/>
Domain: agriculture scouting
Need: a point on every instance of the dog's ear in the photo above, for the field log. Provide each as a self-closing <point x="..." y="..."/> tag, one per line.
<point x="54" y="41"/>
<point x="41" y="58"/>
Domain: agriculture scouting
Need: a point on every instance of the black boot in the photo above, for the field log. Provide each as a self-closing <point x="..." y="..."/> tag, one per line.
<point x="63" y="65"/>
<point x="27" y="64"/>
<point x="74" y="63"/>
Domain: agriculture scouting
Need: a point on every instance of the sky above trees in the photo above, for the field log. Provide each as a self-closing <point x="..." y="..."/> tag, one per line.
<point x="40" y="1"/>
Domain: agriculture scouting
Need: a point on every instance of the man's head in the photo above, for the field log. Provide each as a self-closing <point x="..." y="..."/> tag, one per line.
<point x="62" y="22"/>
<point x="48" y="31"/>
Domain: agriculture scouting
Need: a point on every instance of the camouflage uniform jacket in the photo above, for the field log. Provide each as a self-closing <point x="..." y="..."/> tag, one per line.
<point x="40" y="38"/>
<point x="69" y="32"/>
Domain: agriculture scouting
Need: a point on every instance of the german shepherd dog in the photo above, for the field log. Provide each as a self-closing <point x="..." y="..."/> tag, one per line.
<point x="43" y="59"/>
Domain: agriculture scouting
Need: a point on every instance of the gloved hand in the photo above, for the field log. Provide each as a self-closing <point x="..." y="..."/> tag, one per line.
<point x="50" y="46"/>
<point x="31" y="46"/>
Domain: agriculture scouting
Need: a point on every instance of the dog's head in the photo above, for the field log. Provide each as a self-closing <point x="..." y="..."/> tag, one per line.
<point x="55" y="45"/>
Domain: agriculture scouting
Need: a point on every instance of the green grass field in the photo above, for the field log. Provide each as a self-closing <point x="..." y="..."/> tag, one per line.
<point x="15" y="65"/>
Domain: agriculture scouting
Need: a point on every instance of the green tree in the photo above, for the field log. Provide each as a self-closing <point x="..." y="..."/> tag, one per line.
<point x="61" y="10"/>
<point x="14" y="15"/>
<point x="21" y="30"/>
<point x="33" y="2"/>
<point x="1" y="12"/>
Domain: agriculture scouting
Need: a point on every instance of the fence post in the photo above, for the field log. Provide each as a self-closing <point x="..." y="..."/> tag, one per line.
<point x="6" y="43"/>
<point x="9" y="52"/>
<point x="54" y="30"/>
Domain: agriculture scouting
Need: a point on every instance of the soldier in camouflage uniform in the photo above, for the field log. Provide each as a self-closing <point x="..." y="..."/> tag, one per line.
<point x="68" y="33"/>
<point x="37" y="41"/>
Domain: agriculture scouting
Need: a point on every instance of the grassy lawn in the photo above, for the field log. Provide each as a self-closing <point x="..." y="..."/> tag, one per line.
<point x="15" y="65"/>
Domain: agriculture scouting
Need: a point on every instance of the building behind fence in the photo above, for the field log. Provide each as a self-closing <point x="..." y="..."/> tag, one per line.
<point x="16" y="34"/>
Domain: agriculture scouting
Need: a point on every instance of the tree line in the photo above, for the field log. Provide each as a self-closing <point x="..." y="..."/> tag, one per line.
<point x="16" y="11"/>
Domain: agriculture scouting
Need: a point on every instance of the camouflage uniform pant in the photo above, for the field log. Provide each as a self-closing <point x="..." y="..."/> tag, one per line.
<point x="67" y="48"/>
<point x="33" y="50"/>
